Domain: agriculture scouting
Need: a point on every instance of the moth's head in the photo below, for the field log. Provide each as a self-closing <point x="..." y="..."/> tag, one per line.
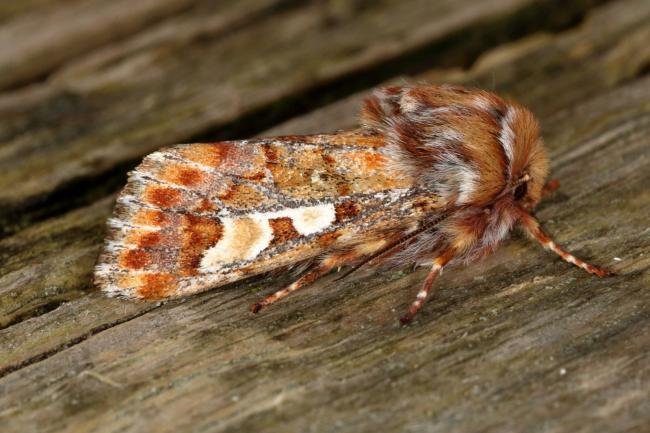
<point x="527" y="160"/>
<point x="470" y="147"/>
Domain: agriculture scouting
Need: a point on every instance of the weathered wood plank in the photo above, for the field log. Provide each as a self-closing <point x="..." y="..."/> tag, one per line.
<point x="35" y="43"/>
<point x="12" y="10"/>
<point x="519" y="328"/>
<point x="543" y="71"/>
<point x="27" y="291"/>
<point x="33" y="260"/>
<point x="522" y="327"/>
<point x="105" y="110"/>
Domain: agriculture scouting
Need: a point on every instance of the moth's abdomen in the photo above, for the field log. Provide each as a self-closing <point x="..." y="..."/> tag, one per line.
<point x="198" y="216"/>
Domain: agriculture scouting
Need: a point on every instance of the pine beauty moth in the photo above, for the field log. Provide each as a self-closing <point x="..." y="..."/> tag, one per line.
<point x="434" y="175"/>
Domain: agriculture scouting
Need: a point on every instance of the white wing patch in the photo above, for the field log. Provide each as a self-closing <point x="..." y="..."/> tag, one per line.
<point x="310" y="220"/>
<point x="245" y="237"/>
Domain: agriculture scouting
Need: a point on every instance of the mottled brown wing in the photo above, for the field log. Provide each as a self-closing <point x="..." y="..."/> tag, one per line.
<point x="197" y="216"/>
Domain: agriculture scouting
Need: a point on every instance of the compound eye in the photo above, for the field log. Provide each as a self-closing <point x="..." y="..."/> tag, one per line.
<point x="521" y="190"/>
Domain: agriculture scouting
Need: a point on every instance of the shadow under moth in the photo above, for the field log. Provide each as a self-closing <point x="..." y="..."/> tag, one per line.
<point x="434" y="175"/>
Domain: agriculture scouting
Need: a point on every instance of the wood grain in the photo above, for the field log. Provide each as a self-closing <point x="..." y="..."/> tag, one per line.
<point x="519" y="342"/>
<point x="186" y="77"/>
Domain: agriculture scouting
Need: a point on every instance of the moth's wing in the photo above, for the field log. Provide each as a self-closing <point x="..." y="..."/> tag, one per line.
<point x="197" y="216"/>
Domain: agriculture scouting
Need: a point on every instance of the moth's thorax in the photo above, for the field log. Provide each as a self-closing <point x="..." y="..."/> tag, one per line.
<point x="480" y="154"/>
<point x="466" y="146"/>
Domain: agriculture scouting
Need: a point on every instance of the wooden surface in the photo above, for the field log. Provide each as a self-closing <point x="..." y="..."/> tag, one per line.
<point x="519" y="342"/>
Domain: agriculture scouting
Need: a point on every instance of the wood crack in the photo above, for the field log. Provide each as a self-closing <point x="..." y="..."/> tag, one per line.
<point x="70" y="343"/>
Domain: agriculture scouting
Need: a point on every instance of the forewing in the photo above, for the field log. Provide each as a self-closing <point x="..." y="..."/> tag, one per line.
<point x="197" y="216"/>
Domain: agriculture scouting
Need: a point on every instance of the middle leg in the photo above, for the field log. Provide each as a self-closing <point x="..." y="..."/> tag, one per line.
<point x="438" y="263"/>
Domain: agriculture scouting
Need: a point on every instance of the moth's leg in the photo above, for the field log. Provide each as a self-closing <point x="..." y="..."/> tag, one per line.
<point x="309" y="277"/>
<point x="550" y="187"/>
<point x="532" y="227"/>
<point x="436" y="268"/>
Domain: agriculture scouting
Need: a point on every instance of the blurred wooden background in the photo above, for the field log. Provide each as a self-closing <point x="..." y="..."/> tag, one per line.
<point x="520" y="342"/>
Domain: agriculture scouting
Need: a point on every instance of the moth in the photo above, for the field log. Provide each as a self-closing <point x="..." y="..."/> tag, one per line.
<point x="434" y="175"/>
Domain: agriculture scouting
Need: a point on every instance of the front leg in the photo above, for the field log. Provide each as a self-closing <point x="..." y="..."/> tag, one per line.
<point x="533" y="229"/>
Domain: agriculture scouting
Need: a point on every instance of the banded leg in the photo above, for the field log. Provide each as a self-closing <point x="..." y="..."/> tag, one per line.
<point x="309" y="277"/>
<point x="535" y="231"/>
<point x="301" y="282"/>
<point x="438" y="263"/>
